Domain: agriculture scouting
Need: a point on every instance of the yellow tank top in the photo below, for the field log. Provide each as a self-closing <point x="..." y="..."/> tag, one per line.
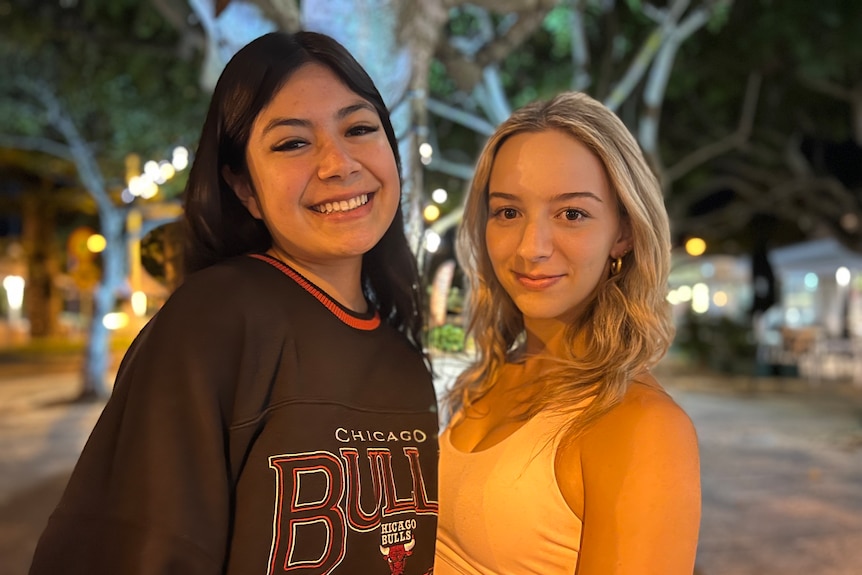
<point x="501" y="510"/>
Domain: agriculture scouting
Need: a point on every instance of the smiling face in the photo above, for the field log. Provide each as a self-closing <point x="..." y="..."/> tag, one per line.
<point x="323" y="176"/>
<point x="553" y="225"/>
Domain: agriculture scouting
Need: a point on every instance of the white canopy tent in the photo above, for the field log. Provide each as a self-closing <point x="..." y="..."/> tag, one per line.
<point x="821" y="256"/>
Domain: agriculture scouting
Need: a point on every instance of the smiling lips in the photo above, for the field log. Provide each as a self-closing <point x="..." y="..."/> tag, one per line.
<point x="342" y="206"/>
<point x="537" y="282"/>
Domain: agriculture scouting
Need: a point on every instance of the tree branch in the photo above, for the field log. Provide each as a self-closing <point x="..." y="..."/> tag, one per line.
<point x="509" y="6"/>
<point x="526" y="24"/>
<point x="450" y="220"/>
<point x="466" y="58"/>
<point x="645" y="55"/>
<point x="729" y="142"/>
<point x="491" y="95"/>
<point x="461" y="117"/>
<point x="581" y="78"/>
<point x="36" y="144"/>
<point x="465" y="73"/>
<point x="191" y="38"/>
<point x="79" y="149"/>
<point x="444" y="166"/>
<point x="659" y="76"/>
<point x="831" y="89"/>
<point x="285" y="13"/>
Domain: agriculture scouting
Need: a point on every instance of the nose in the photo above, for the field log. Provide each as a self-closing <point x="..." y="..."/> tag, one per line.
<point x="536" y="241"/>
<point x="336" y="161"/>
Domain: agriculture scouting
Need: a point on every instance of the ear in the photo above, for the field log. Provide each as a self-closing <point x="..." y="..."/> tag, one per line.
<point x="243" y="191"/>
<point x="623" y="243"/>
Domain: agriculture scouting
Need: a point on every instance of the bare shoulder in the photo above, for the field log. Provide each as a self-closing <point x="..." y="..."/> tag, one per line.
<point x="646" y="408"/>
<point x="640" y="474"/>
<point x="646" y="428"/>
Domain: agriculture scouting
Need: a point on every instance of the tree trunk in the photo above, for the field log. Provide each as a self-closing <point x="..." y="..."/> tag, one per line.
<point x="420" y="25"/>
<point x="43" y="303"/>
<point x="97" y="359"/>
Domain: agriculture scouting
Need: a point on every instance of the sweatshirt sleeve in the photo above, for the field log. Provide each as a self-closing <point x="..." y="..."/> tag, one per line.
<point x="152" y="492"/>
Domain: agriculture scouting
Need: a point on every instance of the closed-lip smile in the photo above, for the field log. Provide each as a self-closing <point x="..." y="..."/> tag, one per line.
<point x="537" y="281"/>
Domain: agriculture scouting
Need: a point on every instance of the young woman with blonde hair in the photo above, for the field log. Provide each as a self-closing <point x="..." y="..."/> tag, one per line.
<point x="564" y="454"/>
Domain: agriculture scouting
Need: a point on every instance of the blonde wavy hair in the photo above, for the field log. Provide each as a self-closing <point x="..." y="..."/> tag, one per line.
<point x="628" y="319"/>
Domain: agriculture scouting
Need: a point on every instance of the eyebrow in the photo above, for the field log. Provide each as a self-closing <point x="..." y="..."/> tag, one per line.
<point x="340" y="115"/>
<point x="558" y="198"/>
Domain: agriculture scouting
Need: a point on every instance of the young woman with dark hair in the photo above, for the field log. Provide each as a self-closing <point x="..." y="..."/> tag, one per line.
<point x="277" y="414"/>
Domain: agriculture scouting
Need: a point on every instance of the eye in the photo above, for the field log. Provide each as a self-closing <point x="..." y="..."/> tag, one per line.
<point x="573" y="215"/>
<point x="362" y="130"/>
<point x="505" y="213"/>
<point x="289" y="145"/>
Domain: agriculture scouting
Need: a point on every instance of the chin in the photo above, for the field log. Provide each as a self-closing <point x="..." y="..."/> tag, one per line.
<point x="540" y="313"/>
<point x="546" y="312"/>
<point x="355" y="249"/>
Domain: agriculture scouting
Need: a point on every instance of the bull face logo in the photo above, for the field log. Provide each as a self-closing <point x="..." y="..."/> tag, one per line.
<point x="396" y="556"/>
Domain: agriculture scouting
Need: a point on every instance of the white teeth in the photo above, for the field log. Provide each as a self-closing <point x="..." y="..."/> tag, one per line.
<point x="343" y="205"/>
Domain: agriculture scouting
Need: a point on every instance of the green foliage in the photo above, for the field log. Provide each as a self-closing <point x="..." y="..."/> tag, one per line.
<point x="540" y="67"/>
<point x="447" y="337"/>
<point x="558" y="24"/>
<point x="462" y="23"/>
<point x="439" y="81"/>
<point x="791" y="44"/>
<point x="161" y="253"/>
<point x="114" y="65"/>
<point x="719" y="343"/>
<point x="795" y="48"/>
<point x="720" y="16"/>
<point x="455" y="300"/>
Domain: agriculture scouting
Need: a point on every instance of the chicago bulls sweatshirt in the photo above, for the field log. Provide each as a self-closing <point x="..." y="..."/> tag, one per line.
<point x="256" y="427"/>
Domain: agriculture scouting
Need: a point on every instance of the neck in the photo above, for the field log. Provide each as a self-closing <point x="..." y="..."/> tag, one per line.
<point x="342" y="281"/>
<point x="545" y="338"/>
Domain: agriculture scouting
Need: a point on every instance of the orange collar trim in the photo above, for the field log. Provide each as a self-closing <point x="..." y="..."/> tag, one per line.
<point x="367" y="324"/>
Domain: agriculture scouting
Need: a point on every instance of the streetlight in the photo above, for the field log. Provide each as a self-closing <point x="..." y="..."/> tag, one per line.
<point x="695" y="247"/>
<point x="145" y="185"/>
<point x="439" y="196"/>
<point x="432" y="241"/>
<point x="96" y="243"/>
<point x="431" y="213"/>
<point x="155" y="173"/>
<point x="426" y="151"/>
<point x="14" y="286"/>
<point x="139" y="303"/>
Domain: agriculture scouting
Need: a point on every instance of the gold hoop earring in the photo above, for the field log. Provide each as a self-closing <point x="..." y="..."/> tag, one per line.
<point x="616" y="266"/>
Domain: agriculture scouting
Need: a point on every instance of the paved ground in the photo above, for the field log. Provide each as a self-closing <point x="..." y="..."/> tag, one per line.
<point x="782" y="483"/>
<point x="781" y="468"/>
